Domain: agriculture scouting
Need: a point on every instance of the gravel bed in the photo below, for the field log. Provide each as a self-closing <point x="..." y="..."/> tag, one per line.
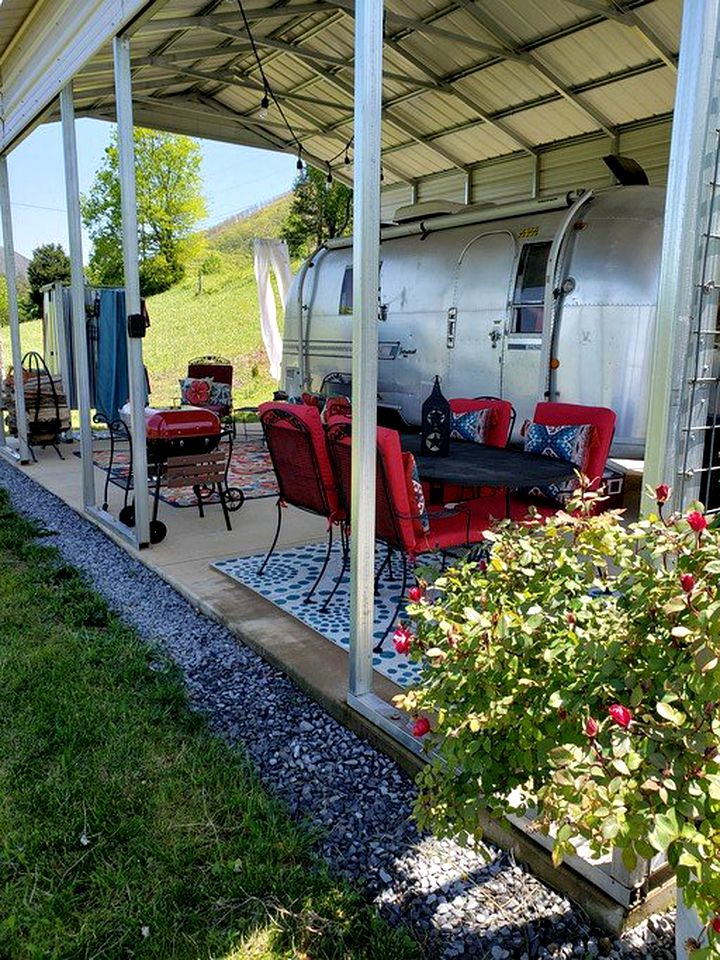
<point x="458" y="902"/>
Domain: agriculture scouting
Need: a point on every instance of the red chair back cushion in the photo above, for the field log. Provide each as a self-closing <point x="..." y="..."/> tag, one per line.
<point x="393" y="511"/>
<point x="300" y="457"/>
<point x="603" y="420"/>
<point x="220" y="372"/>
<point x="498" y="428"/>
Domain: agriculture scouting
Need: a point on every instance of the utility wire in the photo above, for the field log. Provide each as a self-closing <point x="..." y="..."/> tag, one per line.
<point x="266" y="83"/>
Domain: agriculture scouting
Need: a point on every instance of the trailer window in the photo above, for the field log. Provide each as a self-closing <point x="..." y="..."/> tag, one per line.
<point x="529" y="294"/>
<point x="346" y="293"/>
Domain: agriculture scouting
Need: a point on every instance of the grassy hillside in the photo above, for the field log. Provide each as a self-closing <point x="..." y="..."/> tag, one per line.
<point x="221" y="319"/>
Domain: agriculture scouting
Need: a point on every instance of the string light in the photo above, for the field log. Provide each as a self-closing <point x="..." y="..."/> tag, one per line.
<point x="299" y="164"/>
<point x="264" y="105"/>
<point x="329" y="177"/>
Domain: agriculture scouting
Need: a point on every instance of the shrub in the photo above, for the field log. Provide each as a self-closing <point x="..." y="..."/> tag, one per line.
<point x="574" y="678"/>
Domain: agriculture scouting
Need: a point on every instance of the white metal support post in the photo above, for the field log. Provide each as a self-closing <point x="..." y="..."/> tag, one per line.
<point x="9" y="253"/>
<point x="136" y="370"/>
<point x="77" y="292"/>
<point x="366" y="266"/>
<point x="689" y="190"/>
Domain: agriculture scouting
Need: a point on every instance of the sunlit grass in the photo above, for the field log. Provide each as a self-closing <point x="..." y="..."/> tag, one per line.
<point x="126" y="830"/>
<point x="221" y="318"/>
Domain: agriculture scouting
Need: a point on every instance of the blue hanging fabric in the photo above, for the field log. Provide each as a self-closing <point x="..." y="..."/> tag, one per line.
<point x="111" y="385"/>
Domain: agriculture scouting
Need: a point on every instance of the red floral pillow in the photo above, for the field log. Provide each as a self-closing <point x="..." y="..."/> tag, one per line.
<point x="195" y="390"/>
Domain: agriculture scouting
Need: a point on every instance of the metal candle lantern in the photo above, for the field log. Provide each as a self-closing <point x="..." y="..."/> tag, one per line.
<point x="436" y="423"/>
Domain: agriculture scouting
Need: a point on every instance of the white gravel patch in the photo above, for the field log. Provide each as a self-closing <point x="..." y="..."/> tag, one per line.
<point x="458" y="902"/>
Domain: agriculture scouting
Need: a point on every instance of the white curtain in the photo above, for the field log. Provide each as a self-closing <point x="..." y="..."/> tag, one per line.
<point x="272" y="254"/>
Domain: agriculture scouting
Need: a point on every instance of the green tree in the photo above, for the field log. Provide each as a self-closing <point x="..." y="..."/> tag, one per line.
<point x="319" y="212"/>
<point x="49" y="264"/>
<point x="169" y="206"/>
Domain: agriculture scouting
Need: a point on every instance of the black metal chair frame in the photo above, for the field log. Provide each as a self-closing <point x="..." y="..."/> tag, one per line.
<point x="37" y="367"/>
<point x="268" y="420"/>
<point x="336" y="433"/>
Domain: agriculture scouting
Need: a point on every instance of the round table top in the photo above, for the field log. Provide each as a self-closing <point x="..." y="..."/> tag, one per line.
<point x="479" y="465"/>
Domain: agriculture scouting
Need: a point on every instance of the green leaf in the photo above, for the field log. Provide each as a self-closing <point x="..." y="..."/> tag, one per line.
<point x="610" y="828"/>
<point x="676" y="717"/>
<point x="665" y="830"/>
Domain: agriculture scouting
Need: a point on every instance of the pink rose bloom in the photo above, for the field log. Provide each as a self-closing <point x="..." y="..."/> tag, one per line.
<point x="621" y="715"/>
<point x="591" y="727"/>
<point x="421" y="727"/>
<point x="697" y="521"/>
<point x="662" y="493"/>
<point x="687" y="582"/>
<point x="415" y="594"/>
<point x="402" y="638"/>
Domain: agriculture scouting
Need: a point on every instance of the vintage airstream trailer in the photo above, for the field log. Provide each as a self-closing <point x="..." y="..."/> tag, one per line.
<point x="553" y="298"/>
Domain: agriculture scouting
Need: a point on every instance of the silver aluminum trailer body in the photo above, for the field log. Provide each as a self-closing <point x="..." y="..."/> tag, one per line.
<point x="553" y="298"/>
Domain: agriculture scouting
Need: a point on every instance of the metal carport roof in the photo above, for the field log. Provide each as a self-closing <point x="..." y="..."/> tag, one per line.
<point x="465" y="82"/>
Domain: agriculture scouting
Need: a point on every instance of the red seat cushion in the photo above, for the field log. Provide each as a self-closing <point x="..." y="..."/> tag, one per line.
<point x="602" y="418"/>
<point x="449" y="529"/>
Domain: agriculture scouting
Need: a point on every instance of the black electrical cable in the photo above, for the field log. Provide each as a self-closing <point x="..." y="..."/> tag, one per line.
<point x="266" y="82"/>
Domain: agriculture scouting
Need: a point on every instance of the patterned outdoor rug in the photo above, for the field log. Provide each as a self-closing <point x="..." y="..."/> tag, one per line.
<point x="250" y="469"/>
<point x="290" y="574"/>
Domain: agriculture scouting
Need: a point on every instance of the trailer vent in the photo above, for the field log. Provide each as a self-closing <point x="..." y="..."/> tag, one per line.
<point x="626" y="171"/>
<point x="426" y="210"/>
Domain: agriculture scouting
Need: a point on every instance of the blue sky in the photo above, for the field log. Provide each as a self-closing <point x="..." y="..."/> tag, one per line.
<point x="235" y="178"/>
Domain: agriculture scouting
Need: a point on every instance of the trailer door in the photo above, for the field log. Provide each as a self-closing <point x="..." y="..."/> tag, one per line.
<point x="478" y="316"/>
<point x="523" y="339"/>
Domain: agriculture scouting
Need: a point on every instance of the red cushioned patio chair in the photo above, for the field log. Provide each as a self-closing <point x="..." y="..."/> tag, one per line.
<point x="398" y="522"/>
<point x="602" y="419"/>
<point x="296" y="443"/>
<point x="220" y="371"/>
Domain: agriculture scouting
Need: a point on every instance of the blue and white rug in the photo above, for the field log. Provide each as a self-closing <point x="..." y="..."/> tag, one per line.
<point x="290" y="574"/>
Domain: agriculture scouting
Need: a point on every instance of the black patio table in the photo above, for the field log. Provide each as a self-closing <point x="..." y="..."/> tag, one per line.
<point x="477" y="465"/>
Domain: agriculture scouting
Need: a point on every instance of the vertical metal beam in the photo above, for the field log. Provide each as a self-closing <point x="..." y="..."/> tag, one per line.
<point x="9" y="253"/>
<point x="136" y="370"/>
<point x="77" y="293"/>
<point x="366" y="266"/>
<point x="688" y="195"/>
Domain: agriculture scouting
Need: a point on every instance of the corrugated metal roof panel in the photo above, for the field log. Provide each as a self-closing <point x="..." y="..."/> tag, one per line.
<point x="590" y="72"/>
<point x="635" y="97"/>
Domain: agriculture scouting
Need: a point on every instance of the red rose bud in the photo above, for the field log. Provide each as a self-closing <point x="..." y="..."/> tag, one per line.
<point x="570" y="617"/>
<point x="687" y="582"/>
<point x="591" y="727"/>
<point x="415" y="594"/>
<point x="715" y="924"/>
<point x="662" y="493"/>
<point x="421" y="727"/>
<point x="402" y="639"/>
<point x="621" y="715"/>
<point x="697" y="521"/>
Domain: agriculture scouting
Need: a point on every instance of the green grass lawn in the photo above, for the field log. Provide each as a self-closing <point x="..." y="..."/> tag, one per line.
<point x="126" y="830"/>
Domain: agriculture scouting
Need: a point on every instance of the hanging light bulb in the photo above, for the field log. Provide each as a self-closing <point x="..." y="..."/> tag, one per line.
<point x="346" y="161"/>
<point x="329" y="177"/>
<point x="382" y="174"/>
<point x="264" y="105"/>
<point x="299" y="163"/>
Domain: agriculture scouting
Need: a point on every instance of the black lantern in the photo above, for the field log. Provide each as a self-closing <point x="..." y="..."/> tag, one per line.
<point x="436" y="423"/>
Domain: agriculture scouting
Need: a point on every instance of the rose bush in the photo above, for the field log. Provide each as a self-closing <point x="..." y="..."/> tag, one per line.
<point x="576" y="679"/>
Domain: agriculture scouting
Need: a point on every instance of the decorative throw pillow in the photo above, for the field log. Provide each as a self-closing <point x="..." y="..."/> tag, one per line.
<point x="416" y="497"/>
<point x="471" y="425"/>
<point x="569" y="442"/>
<point x="220" y="394"/>
<point x="195" y="390"/>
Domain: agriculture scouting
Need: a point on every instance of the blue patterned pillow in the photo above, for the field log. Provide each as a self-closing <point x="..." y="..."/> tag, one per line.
<point x="569" y="442"/>
<point x="470" y="426"/>
<point x="220" y="394"/>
